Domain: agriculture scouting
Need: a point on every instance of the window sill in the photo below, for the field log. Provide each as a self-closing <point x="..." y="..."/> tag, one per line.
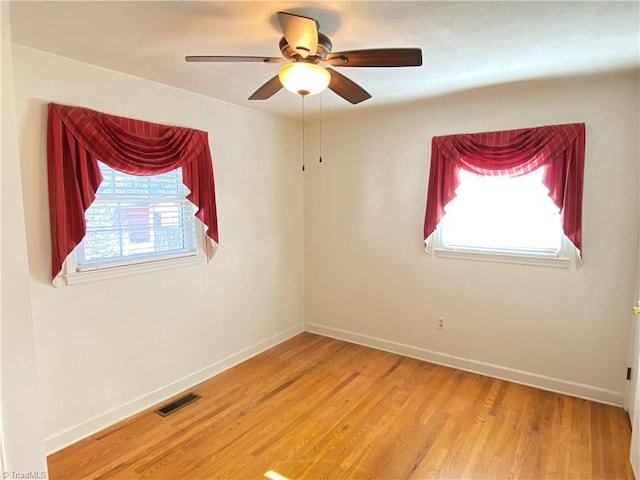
<point x="505" y="257"/>
<point x="74" y="278"/>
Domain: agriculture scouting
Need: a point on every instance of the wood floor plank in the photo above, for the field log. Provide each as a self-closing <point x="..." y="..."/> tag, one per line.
<point x="319" y="408"/>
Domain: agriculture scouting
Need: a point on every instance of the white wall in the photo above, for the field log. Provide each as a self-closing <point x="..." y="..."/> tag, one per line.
<point x="107" y="349"/>
<point x="632" y="399"/>
<point x="368" y="279"/>
<point x="21" y="426"/>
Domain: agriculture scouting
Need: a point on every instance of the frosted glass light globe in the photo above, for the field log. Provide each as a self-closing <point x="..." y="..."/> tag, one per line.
<point x="304" y="78"/>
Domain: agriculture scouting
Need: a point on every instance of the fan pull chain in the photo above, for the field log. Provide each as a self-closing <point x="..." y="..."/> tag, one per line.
<point x="320" y="160"/>
<point x="302" y="132"/>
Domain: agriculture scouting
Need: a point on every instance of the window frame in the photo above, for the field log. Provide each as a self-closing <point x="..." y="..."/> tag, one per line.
<point x="520" y="257"/>
<point x="74" y="274"/>
<point x="523" y="256"/>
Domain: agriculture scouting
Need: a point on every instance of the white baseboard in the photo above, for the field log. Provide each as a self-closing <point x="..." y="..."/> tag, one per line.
<point x="580" y="390"/>
<point x="74" y="434"/>
<point x="67" y="437"/>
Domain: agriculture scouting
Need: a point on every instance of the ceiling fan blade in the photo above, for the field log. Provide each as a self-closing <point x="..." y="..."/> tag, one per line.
<point x="218" y="58"/>
<point x="347" y="89"/>
<point x="267" y="90"/>
<point x="380" y="57"/>
<point x="301" y="33"/>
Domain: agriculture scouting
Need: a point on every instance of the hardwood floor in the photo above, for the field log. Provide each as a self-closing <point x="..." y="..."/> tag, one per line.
<point x="318" y="408"/>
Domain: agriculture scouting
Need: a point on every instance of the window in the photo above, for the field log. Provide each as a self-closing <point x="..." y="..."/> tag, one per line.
<point x="77" y="137"/>
<point x="144" y="222"/>
<point x="502" y="218"/>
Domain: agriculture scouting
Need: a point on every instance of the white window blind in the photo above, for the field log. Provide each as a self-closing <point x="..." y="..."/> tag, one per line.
<point x="137" y="219"/>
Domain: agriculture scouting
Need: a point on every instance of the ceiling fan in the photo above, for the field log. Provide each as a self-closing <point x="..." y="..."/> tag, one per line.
<point x="306" y="51"/>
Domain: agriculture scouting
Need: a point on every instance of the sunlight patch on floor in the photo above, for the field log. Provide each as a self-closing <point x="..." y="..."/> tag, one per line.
<point x="274" y="475"/>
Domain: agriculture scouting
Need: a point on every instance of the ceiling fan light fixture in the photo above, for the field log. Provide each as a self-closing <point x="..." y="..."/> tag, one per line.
<point x="304" y="78"/>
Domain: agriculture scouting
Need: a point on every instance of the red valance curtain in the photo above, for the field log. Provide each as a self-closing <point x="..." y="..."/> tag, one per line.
<point x="559" y="148"/>
<point x="78" y="137"/>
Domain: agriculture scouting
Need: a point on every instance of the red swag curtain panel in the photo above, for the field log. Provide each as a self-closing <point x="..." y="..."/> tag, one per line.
<point x="559" y="148"/>
<point x="78" y="137"/>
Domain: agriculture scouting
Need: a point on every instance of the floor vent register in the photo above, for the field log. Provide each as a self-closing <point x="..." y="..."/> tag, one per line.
<point x="177" y="404"/>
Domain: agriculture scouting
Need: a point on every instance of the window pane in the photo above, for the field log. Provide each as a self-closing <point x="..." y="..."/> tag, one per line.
<point x="137" y="218"/>
<point x="502" y="213"/>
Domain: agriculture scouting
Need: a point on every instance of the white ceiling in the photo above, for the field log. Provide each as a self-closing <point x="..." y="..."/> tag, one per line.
<point x="464" y="44"/>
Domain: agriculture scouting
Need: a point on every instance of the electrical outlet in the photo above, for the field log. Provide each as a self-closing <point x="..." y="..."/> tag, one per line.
<point x="440" y="323"/>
